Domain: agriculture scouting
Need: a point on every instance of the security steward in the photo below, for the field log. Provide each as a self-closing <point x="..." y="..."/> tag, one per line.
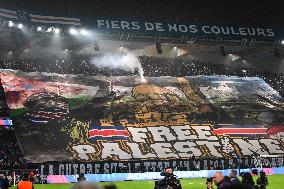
<point x="25" y="183"/>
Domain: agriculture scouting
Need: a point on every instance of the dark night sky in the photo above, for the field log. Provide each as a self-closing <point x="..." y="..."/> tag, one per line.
<point x="269" y="12"/>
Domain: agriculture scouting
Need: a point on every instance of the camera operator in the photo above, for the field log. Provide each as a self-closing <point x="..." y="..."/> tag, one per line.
<point x="81" y="178"/>
<point x="209" y="183"/>
<point x="262" y="180"/>
<point x="170" y="181"/>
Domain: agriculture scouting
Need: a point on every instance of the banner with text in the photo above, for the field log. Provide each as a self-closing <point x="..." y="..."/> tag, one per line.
<point x="196" y="29"/>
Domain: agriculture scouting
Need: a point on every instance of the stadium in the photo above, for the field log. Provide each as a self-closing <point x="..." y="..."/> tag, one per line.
<point x="117" y="93"/>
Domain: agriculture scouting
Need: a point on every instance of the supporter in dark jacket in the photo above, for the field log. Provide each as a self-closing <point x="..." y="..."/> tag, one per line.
<point x="262" y="181"/>
<point x="247" y="181"/>
<point x="221" y="181"/>
<point x="235" y="182"/>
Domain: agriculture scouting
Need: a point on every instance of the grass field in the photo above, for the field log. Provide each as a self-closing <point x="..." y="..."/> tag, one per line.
<point x="275" y="182"/>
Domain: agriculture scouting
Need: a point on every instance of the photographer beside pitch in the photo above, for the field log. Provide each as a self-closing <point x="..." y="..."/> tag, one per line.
<point x="170" y="181"/>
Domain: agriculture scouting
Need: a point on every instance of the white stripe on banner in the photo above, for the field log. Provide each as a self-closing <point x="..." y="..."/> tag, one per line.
<point x="8" y="15"/>
<point x="52" y="19"/>
<point x="8" y="11"/>
<point x="55" y="22"/>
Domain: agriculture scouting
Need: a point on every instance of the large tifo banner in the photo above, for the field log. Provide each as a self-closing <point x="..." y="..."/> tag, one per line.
<point x="67" y="117"/>
<point x="192" y="29"/>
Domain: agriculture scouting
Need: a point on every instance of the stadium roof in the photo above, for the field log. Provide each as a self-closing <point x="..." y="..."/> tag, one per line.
<point x="221" y="11"/>
<point x="246" y="52"/>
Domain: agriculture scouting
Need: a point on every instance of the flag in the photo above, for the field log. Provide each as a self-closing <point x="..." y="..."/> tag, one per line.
<point x="6" y="122"/>
<point x="240" y="130"/>
<point x="8" y="14"/>
<point x="276" y="130"/>
<point x="54" y="20"/>
<point x="108" y="133"/>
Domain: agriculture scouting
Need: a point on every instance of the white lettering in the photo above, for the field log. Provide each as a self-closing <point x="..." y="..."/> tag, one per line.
<point x="135" y="25"/>
<point x="125" y="25"/>
<point x="204" y="133"/>
<point x="260" y="31"/>
<point x="164" y="150"/>
<point x="161" y="134"/>
<point x="250" y="147"/>
<point x="159" y="27"/>
<point x="205" y="29"/>
<point x="136" y="152"/>
<point x="110" y="149"/>
<point x="211" y="146"/>
<point x="114" y="24"/>
<point x="101" y="23"/>
<point x="149" y="26"/>
<point x="182" y="28"/>
<point x="193" y="29"/>
<point x="138" y="134"/>
<point x="215" y="30"/>
<point x="242" y="31"/>
<point x="270" y="33"/>
<point x="84" y="150"/>
<point x="184" y="133"/>
<point x="272" y="145"/>
<point x="186" y="149"/>
<point x="172" y="27"/>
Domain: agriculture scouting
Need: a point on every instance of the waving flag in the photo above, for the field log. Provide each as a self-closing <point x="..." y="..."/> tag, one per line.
<point x="240" y="130"/>
<point x="108" y="133"/>
<point x="8" y="14"/>
<point x="54" y="20"/>
<point x="6" y="122"/>
<point x="276" y="130"/>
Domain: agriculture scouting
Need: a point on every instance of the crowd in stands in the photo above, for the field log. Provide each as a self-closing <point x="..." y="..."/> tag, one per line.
<point x="10" y="153"/>
<point x="152" y="66"/>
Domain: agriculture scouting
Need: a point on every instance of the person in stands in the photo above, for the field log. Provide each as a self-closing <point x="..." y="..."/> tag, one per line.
<point x="25" y="183"/>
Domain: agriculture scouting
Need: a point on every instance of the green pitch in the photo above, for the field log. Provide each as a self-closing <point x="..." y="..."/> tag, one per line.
<point x="275" y="182"/>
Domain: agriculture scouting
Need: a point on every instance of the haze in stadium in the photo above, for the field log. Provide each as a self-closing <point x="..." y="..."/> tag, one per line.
<point x="141" y="94"/>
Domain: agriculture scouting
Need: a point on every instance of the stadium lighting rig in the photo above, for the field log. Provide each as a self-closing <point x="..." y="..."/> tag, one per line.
<point x="83" y="32"/>
<point x="39" y="28"/>
<point x="73" y="31"/>
<point x="10" y="24"/>
<point x="56" y="30"/>
<point x="20" y="26"/>
<point x="48" y="29"/>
